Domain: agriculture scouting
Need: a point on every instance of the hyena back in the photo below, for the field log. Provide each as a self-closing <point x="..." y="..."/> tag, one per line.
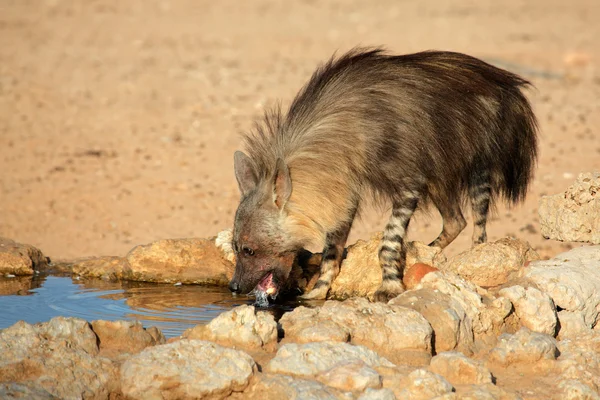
<point x="426" y="128"/>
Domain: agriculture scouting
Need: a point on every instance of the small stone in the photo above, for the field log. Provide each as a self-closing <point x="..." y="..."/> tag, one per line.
<point x="277" y="387"/>
<point x="377" y="394"/>
<point x="535" y="309"/>
<point x="186" y="369"/>
<point x="416" y="272"/>
<point x="524" y="346"/>
<point x="423" y="384"/>
<point x="460" y="370"/>
<point x="574" y="390"/>
<point x="242" y="326"/>
<point x="351" y="376"/>
<point x="126" y="336"/>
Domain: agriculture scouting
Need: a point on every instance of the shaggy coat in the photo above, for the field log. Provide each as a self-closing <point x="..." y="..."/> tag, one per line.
<point x="431" y="128"/>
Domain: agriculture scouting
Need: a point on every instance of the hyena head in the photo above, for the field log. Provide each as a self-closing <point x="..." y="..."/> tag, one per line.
<point x="264" y="251"/>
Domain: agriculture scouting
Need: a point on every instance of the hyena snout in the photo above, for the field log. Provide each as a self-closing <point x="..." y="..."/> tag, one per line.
<point x="234" y="287"/>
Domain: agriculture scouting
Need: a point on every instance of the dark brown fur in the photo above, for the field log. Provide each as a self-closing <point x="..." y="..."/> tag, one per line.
<point x="426" y="128"/>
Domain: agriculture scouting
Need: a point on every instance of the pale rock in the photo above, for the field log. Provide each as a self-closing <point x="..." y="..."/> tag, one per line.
<point x="575" y="390"/>
<point x="534" y="308"/>
<point x="493" y="263"/>
<point x="452" y="327"/>
<point x="524" y="346"/>
<point x="573" y="216"/>
<point x="223" y="241"/>
<point x="126" y="336"/>
<point x="20" y="259"/>
<point x="241" y="326"/>
<point x="59" y="356"/>
<point x="11" y="390"/>
<point x="572" y="280"/>
<point x="488" y="391"/>
<point x="377" y="394"/>
<point x="580" y="359"/>
<point x="571" y="324"/>
<point x="108" y="268"/>
<point x="197" y="261"/>
<point x="459" y="369"/>
<point x="186" y="369"/>
<point x="422" y="384"/>
<point x="313" y="359"/>
<point x="360" y="273"/>
<point x="351" y="376"/>
<point x="277" y="387"/>
<point x="401" y="334"/>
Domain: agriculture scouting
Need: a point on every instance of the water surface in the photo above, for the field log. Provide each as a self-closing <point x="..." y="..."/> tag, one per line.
<point x="171" y="308"/>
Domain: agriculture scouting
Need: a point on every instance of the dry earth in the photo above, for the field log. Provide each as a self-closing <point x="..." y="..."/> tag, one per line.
<point x="118" y="120"/>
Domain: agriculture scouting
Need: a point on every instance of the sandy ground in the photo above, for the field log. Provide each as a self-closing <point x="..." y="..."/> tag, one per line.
<point x="119" y="119"/>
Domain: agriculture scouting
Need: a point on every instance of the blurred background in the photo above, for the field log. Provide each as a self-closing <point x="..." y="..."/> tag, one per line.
<point x="119" y="119"/>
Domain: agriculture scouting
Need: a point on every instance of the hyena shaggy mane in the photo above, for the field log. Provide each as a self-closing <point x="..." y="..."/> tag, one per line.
<point x="427" y="128"/>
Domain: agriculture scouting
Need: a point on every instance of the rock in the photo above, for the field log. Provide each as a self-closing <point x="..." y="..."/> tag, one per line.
<point x="572" y="280"/>
<point x="572" y="324"/>
<point x="20" y="259"/>
<point x="580" y="359"/>
<point x="242" y="327"/>
<point x="186" y="369"/>
<point x="377" y="394"/>
<point x="460" y="370"/>
<point x="488" y="391"/>
<point x="423" y="384"/>
<point x="313" y="359"/>
<point x="574" y="390"/>
<point x="416" y="272"/>
<point x="276" y="387"/>
<point x="20" y="391"/>
<point x="223" y="241"/>
<point x="573" y="216"/>
<point x="401" y="334"/>
<point x="126" y="336"/>
<point x="360" y="273"/>
<point x="109" y="268"/>
<point x="535" y="309"/>
<point x="524" y="346"/>
<point x="59" y="356"/>
<point x="451" y="326"/>
<point x="492" y="264"/>
<point x="351" y="376"/>
<point x="180" y="260"/>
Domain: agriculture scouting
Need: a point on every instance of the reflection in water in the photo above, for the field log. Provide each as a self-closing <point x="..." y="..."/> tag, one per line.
<point x="170" y="308"/>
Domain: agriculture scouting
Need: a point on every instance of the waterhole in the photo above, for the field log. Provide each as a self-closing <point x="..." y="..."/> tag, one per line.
<point x="171" y="308"/>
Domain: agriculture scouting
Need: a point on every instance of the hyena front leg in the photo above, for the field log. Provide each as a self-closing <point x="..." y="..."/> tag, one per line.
<point x="480" y="192"/>
<point x="392" y="254"/>
<point x="331" y="261"/>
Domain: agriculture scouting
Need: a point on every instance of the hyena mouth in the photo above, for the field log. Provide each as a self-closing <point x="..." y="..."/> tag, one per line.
<point x="264" y="289"/>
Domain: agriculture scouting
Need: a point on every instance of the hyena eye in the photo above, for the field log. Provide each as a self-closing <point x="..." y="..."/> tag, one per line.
<point x="248" y="251"/>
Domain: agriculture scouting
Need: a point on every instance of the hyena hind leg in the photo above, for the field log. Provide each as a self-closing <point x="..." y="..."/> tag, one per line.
<point x="452" y="219"/>
<point x="480" y="192"/>
<point x="331" y="261"/>
<point x="392" y="252"/>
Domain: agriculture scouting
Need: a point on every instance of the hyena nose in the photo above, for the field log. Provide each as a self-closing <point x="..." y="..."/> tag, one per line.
<point x="234" y="287"/>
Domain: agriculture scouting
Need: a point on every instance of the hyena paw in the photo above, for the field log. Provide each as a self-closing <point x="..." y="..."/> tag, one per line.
<point x="389" y="291"/>
<point x="318" y="293"/>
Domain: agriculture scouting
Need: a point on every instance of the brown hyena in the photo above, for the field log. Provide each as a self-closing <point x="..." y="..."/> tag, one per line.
<point x="427" y="128"/>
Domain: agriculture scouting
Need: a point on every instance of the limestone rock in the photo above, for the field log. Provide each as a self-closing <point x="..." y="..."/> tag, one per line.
<point x="460" y="370"/>
<point x="572" y="389"/>
<point x="59" y="356"/>
<point x="492" y="264"/>
<point x="572" y="280"/>
<point x="20" y="259"/>
<point x="186" y="369"/>
<point x="109" y="268"/>
<point x="452" y="327"/>
<point x="126" y="336"/>
<point x="313" y="359"/>
<point x="572" y="324"/>
<point x="377" y="394"/>
<point x="488" y="391"/>
<point x="242" y="327"/>
<point x="351" y="376"/>
<point x="580" y="359"/>
<point x="573" y="216"/>
<point x="180" y="260"/>
<point x="422" y="384"/>
<point x="276" y="387"/>
<point x="535" y="309"/>
<point x="398" y="333"/>
<point x="360" y="273"/>
<point x="524" y="346"/>
<point x="20" y="391"/>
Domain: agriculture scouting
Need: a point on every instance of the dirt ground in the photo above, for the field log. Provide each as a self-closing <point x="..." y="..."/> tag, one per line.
<point x="119" y="119"/>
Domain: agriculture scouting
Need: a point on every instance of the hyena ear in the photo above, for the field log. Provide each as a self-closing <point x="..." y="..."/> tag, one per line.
<point x="282" y="188"/>
<point x="244" y="172"/>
